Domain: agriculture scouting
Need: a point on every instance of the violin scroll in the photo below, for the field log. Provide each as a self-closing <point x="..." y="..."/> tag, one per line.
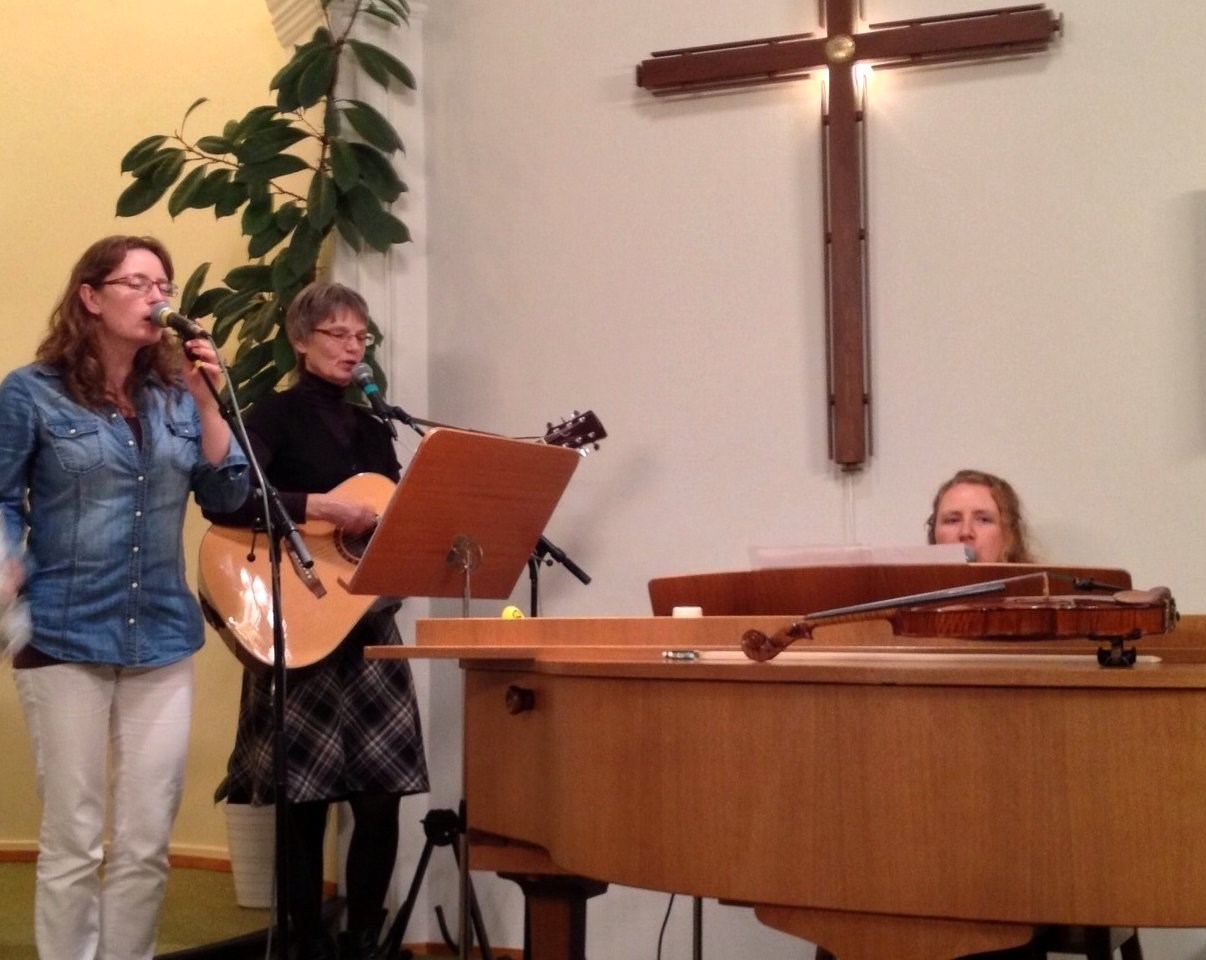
<point x="761" y="646"/>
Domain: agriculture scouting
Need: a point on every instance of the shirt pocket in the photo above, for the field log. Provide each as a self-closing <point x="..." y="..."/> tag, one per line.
<point x="184" y="440"/>
<point x="76" y="444"/>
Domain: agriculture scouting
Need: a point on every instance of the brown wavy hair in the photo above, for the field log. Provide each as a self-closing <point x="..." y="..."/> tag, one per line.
<point x="1017" y="537"/>
<point x="70" y="345"/>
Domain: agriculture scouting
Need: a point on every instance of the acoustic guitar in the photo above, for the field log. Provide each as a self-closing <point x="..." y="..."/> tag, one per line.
<point x="234" y="576"/>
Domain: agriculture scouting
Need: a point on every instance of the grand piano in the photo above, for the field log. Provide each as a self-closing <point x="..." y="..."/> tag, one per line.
<point x="916" y="798"/>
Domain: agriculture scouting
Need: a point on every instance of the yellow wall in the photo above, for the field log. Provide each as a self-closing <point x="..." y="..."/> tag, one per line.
<point x="82" y="83"/>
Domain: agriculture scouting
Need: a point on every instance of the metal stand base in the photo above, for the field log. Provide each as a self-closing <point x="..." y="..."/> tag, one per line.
<point x="443" y="828"/>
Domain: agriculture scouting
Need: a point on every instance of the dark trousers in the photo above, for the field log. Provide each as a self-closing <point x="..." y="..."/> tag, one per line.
<point x="371" y="854"/>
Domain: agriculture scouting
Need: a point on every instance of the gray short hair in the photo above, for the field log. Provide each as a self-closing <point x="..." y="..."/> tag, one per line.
<point x="316" y="302"/>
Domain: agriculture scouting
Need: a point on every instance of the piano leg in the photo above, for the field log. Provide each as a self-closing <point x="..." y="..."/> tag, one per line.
<point x="555" y="914"/>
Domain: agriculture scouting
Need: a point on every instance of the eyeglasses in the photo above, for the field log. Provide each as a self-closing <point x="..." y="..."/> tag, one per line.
<point x="343" y="336"/>
<point x="136" y="281"/>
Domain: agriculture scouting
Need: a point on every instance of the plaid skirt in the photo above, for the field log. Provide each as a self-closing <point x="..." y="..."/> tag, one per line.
<point x="351" y="726"/>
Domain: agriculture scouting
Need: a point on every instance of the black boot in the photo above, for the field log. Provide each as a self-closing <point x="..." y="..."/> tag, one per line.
<point x="360" y="942"/>
<point x="321" y="947"/>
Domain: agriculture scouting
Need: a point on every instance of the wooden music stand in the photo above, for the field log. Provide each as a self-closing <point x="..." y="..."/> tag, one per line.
<point x="465" y="517"/>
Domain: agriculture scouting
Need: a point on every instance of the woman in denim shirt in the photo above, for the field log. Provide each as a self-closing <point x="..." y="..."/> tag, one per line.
<point x="101" y="442"/>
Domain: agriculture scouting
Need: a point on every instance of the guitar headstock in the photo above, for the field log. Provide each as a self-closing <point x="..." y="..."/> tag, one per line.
<point x="581" y="432"/>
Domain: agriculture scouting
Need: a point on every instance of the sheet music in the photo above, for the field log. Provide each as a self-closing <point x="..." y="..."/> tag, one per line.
<point x="764" y="558"/>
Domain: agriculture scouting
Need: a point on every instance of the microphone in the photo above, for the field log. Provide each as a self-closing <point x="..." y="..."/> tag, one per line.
<point x="164" y="316"/>
<point x="362" y="376"/>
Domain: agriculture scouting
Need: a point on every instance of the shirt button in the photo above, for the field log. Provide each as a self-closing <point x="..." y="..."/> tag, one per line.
<point x="136" y="549"/>
<point x="72" y="431"/>
<point x="141" y="479"/>
<point x="134" y="585"/>
<point x="130" y="621"/>
<point x="138" y="513"/>
<point x="129" y="443"/>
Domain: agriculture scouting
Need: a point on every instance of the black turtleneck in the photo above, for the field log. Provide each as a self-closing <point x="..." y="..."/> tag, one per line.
<point x="309" y="439"/>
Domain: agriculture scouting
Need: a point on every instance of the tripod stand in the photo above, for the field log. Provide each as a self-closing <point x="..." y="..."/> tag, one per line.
<point x="442" y="829"/>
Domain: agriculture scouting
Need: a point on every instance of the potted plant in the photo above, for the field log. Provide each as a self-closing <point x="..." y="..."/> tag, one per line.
<point x="311" y="164"/>
<point x="298" y="170"/>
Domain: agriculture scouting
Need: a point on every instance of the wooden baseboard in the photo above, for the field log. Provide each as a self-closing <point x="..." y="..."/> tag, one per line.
<point x="17" y="855"/>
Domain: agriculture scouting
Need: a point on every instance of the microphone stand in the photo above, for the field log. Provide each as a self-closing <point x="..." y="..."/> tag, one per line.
<point x="546" y="553"/>
<point x="278" y="526"/>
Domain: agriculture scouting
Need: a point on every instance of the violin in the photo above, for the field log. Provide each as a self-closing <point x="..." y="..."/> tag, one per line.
<point x="1116" y="618"/>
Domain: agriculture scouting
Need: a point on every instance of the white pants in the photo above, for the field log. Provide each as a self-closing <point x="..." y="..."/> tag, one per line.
<point x="84" y="721"/>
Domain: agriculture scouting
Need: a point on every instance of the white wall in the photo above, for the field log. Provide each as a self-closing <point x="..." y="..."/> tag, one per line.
<point x="1035" y="305"/>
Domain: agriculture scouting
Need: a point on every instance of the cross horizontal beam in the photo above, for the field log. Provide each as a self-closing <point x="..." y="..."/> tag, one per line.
<point x="1005" y="32"/>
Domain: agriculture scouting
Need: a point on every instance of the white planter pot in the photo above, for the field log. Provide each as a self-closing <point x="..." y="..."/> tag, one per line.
<point x="250" y="835"/>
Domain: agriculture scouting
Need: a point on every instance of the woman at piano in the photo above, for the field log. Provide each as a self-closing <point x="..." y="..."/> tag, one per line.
<point x="352" y="724"/>
<point x="984" y="513"/>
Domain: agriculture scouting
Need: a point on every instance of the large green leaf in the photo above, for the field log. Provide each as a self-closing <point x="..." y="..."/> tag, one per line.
<point x="138" y="154"/>
<point x="234" y="195"/>
<point x="381" y="64"/>
<point x="399" y="7"/>
<point x="188" y="295"/>
<point x="371" y="125"/>
<point x="249" y="360"/>
<point x="279" y="166"/>
<point x="288" y="88"/>
<point x="256" y="277"/>
<point x="383" y="14"/>
<point x="316" y="80"/>
<point x="344" y="168"/>
<point x="260" y="323"/>
<point x="257" y="387"/>
<point x="304" y="247"/>
<point x="258" y="216"/>
<point x="234" y="304"/>
<point x="218" y="146"/>
<point x="284" y="358"/>
<point x="320" y="202"/>
<point x="268" y="141"/>
<point x="213" y="187"/>
<point x="379" y="228"/>
<point x="191" y="107"/>
<point x="139" y="197"/>
<point x="185" y="194"/>
<point x="262" y="243"/>
<point x="288" y="216"/>
<point x="203" y="305"/>
<point x="253" y="120"/>
<point x="167" y="168"/>
<point x="378" y="173"/>
<point x="288" y="271"/>
<point x="347" y="230"/>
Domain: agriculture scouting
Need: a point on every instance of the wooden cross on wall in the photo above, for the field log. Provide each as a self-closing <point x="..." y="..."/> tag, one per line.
<point x="978" y="35"/>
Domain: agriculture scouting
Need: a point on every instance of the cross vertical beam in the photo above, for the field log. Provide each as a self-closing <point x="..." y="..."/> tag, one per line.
<point x="977" y="35"/>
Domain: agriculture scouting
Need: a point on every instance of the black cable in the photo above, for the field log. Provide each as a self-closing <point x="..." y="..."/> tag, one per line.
<point x="665" y="920"/>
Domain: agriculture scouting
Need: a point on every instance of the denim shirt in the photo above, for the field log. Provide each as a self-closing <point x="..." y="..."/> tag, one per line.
<point x="104" y="555"/>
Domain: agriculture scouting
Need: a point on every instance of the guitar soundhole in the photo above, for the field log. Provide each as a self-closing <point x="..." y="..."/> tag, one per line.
<point x="351" y="546"/>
